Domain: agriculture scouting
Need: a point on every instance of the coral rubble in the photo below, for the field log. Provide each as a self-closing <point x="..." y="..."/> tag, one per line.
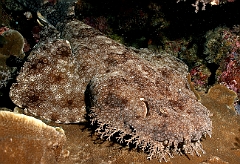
<point x="25" y="139"/>
<point x="139" y="100"/>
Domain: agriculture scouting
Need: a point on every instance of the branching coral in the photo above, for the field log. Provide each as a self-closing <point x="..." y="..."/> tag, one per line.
<point x="205" y="2"/>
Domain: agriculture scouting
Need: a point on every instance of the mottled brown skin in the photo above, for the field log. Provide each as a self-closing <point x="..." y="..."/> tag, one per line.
<point x="47" y="85"/>
<point x="145" y="97"/>
<point x="153" y="105"/>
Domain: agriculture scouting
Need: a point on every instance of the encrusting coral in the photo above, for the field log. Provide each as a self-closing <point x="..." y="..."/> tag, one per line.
<point x="144" y="100"/>
<point x="25" y="139"/>
<point x="223" y="95"/>
<point x="13" y="45"/>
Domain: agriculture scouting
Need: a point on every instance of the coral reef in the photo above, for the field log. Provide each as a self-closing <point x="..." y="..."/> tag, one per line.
<point x="146" y="100"/>
<point x="228" y="72"/>
<point x="223" y="49"/>
<point x="2" y="30"/>
<point x="5" y="17"/>
<point x="230" y="75"/>
<point x="5" y="72"/>
<point x="25" y="139"/>
<point x="199" y="77"/>
<point x="218" y="44"/>
<point x="20" y="5"/>
<point x="125" y="20"/>
<point x="12" y="44"/>
<point x="177" y="47"/>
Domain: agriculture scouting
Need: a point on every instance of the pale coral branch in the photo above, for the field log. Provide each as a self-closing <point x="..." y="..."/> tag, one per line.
<point x="205" y="2"/>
